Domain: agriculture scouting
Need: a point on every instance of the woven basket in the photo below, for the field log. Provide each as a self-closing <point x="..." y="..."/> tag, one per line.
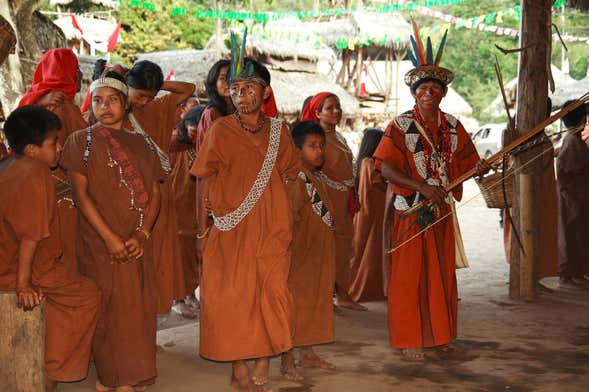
<point x="7" y="39"/>
<point x="491" y="187"/>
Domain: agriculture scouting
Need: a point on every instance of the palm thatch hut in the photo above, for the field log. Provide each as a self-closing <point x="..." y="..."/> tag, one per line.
<point x="292" y="81"/>
<point x="562" y="82"/>
<point x="365" y="36"/>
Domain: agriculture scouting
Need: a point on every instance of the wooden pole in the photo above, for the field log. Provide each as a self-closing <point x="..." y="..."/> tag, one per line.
<point x="532" y="98"/>
<point x="359" y="62"/>
<point x="22" y="346"/>
<point x="218" y="39"/>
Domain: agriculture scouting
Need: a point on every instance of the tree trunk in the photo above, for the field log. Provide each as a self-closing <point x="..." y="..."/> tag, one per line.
<point x="531" y="109"/>
<point x="10" y="71"/>
<point x="22" y="346"/>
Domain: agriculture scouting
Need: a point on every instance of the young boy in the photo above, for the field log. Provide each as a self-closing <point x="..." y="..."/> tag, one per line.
<point x="312" y="270"/>
<point x="245" y="160"/>
<point x="31" y="254"/>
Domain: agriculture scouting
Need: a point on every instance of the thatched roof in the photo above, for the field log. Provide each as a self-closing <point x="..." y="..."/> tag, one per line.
<point x="290" y="88"/>
<point x="497" y="109"/>
<point x="380" y="28"/>
<point x="104" y="3"/>
<point x="96" y="31"/>
<point x="188" y="65"/>
<point x="573" y="89"/>
<point x="288" y="39"/>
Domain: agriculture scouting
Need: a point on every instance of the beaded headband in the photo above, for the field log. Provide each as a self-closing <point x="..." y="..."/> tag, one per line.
<point x="109" y="82"/>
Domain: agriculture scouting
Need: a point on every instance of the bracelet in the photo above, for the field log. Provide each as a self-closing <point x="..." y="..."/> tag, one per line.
<point x="143" y="231"/>
<point x="203" y="235"/>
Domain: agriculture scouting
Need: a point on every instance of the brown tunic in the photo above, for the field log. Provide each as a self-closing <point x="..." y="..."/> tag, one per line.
<point x="158" y="119"/>
<point x="573" y="202"/>
<point x="246" y="307"/>
<point x="28" y="209"/>
<point x="71" y="120"/>
<point x="366" y="282"/>
<point x="312" y="270"/>
<point x="124" y="345"/>
<point x="184" y="191"/>
<point x="339" y="167"/>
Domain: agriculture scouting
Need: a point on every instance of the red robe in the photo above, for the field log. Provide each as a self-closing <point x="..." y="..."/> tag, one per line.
<point x="422" y="290"/>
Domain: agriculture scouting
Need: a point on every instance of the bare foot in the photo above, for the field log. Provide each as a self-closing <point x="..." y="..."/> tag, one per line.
<point x="184" y="310"/>
<point x="351" y="305"/>
<point x="259" y="375"/>
<point x="240" y="377"/>
<point x="102" y="388"/>
<point x="310" y="359"/>
<point x="50" y="384"/>
<point x="413" y="354"/>
<point x="125" y="388"/>
<point x="288" y="368"/>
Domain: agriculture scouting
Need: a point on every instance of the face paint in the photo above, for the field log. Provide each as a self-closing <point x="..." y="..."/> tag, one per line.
<point x="246" y="96"/>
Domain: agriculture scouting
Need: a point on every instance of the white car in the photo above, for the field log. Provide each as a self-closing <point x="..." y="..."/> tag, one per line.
<point x="487" y="139"/>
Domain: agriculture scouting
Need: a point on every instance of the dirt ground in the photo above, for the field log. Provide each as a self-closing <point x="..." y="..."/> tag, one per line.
<point x="506" y="345"/>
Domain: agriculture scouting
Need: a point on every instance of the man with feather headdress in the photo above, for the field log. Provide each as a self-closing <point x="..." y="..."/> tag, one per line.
<point x="422" y="151"/>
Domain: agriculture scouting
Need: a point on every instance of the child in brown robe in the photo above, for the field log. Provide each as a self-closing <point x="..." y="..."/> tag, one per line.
<point x="312" y="269"/>
<point x="31" y="254"/>
<point x="115" y="174"/>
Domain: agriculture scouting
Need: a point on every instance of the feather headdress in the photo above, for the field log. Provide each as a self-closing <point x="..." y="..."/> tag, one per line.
<point x="422" y="57"/>
<point x="241" y="68"/>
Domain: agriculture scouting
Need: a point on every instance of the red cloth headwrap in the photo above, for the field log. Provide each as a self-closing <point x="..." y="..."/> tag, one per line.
<point x="269" y="107"/>
<point x="57" y="71"/>
<point x="313" y="106"/>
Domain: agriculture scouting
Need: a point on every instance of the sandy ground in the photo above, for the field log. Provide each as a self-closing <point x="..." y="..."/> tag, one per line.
<point x="506" y="345"/>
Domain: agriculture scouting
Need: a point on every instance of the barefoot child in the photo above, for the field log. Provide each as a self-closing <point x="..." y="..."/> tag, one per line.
<point x="115" y="174"/>
<point x="312" y="269"/>
<point x="246" y="307"/>
<point x="31" y="254"/>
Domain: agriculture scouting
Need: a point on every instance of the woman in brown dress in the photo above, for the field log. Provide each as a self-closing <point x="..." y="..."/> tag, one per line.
<point x="366" y="283"/>
<point x="115" y="176"/>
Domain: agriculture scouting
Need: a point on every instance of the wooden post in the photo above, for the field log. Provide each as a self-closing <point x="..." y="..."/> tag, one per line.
<point x="359" y="62"/>
<point x="22" y="346"/>
<point x="532" y="97"/>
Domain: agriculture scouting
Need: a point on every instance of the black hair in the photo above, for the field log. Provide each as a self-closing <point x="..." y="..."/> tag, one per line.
<point x="301" y="129"/>
<point x="29" y="125"/>
<point x="305" y="103"/>
<point x="99" y="67"/>
<point x="320" y="108"/>
<point x="145" y="75"/>
<point x="192" y="117"/>
<point x="576" y="117"/>
<point x="215" y="100"/>
<point x="259" y="70"/>
<point x="370" y="141"/>
<point x="425" y="80"/>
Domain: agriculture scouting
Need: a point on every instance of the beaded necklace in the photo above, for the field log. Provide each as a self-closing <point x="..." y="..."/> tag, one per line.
<point x="258" y="128"/>
<point x="444" y="147"/>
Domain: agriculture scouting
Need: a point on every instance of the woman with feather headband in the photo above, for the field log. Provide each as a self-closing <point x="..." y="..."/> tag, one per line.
<point x="421" y="151"/>
<point x="244" y="162"/>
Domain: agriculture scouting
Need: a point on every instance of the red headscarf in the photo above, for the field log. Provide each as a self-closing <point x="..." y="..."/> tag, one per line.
<point x="269" y="107"/>
<point x="57" y="71"/>
<point x="313" y="106"/>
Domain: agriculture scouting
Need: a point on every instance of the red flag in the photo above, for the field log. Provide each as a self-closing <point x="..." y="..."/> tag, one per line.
<point x="75" y="24"/>
<point x="171" y="76"/>
<point x="114" y="37"/>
